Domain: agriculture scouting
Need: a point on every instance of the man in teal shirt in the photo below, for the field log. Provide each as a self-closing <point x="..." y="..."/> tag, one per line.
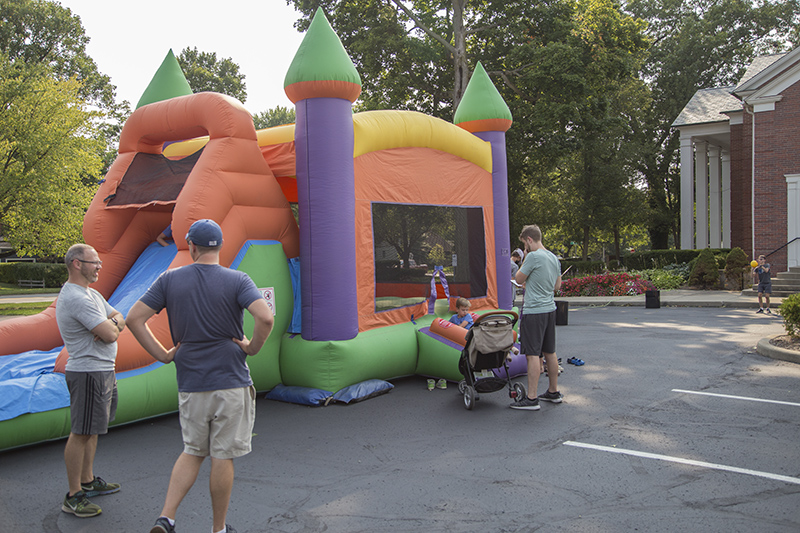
<point x="541" y="274"/>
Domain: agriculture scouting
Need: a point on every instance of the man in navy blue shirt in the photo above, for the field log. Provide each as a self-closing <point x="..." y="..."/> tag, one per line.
<point x="205" y="303"/>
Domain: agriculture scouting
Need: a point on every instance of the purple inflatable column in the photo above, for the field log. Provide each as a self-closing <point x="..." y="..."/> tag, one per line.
<point x="483" y="112"/>
<point x="502" y="252"/>
<point x="323" y="83"/>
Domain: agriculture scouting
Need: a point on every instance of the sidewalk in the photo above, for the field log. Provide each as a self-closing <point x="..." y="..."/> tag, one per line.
<point x="677" y="298"/>
<point x="25" y="298"/>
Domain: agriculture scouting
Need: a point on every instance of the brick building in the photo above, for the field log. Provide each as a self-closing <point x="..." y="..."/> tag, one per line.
<point x="740" y="163"/>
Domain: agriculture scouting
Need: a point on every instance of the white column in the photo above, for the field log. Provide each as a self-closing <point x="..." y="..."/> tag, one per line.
<point x="793" y="218"/>
<point x="687" y="193"/>
<point x="714" y="197"/>
<point x="726" y="198"/>
<point x="701" y="194"/>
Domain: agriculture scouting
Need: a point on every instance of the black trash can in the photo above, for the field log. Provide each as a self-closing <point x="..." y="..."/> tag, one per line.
<point x="562" y="312"/>
<point x="652" y="299"/>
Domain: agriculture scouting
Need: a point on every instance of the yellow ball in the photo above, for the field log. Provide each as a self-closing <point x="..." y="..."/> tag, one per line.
<point x="753" y="263"/>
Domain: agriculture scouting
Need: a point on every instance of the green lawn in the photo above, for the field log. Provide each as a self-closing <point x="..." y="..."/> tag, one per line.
<point x="10" y="289"/>
<point x="23" y="309"/>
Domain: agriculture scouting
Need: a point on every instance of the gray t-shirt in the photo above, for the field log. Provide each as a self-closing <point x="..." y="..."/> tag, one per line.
<point x="542" y="268"/>
<point x="78" y="311"/>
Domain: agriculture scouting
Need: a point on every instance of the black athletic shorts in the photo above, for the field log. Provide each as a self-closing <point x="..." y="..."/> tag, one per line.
<point x="538" y="333"/>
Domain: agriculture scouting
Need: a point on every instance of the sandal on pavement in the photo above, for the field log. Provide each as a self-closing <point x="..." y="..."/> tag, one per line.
<point x="575" y="361"/>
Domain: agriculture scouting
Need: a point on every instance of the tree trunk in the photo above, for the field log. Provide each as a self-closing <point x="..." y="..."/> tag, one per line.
<point x="460" y="65"/>
<point x="585" y="254"/>
<point x="616" y="244"/>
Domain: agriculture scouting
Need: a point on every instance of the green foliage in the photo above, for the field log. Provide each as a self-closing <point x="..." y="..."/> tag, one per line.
<point x="790" y="311"/>
<point x="662" y="279"/>
<point x="736" y="266"/>
<point x="53" y="274"/>
<point x="23" y="309"/>
<point x="50" y="152"/>
<point x="437" y="256"/>
<point x="44" y="33"/>
<point x="705" y="271"/>
<point x="274" y="117"/>
<point x="581" y="268"/>
<point x="660" y="258"/>
<point x="205" y="72"/>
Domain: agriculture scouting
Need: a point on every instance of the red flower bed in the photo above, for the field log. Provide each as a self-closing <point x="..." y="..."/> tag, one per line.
<point x="608" y="284"/>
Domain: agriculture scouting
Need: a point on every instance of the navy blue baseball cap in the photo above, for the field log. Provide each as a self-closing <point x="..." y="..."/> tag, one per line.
<point x="205" y="232"/>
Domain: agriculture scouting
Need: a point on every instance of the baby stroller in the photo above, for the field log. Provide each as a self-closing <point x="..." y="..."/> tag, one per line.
<point x="488" y="343"/>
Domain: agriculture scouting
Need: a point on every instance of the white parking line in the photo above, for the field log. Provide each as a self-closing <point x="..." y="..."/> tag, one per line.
<point x="736" y="397"/>
<point x="692" y="462"/>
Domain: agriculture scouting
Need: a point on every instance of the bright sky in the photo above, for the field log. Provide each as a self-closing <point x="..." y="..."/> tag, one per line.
<point x="129" y="40"/>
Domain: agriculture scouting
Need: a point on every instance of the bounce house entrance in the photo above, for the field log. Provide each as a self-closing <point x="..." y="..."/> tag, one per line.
<point x="410" y="240"/>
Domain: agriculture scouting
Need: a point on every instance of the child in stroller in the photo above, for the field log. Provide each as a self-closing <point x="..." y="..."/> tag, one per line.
<point x="488" y="344"/>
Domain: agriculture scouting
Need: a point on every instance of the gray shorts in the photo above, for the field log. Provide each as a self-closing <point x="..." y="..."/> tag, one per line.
<point x="765" y="288"/>
<point x="92" y="401"/>
<point x="537" y="333"/>
<point x="218" y="423"/>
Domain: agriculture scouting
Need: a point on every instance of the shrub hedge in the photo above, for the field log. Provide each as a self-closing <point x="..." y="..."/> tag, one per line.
<point x="582" y="268"/>
<point x="53" y="274"/>
<point x="790" y="311"/>
<point x="659" y="258"/>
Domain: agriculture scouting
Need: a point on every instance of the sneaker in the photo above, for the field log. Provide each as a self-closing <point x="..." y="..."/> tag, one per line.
<point x="554" y="397"/>
<point x="229" y="529"/>
<point x="99" y="487"/>
<point x="162" y="525"/>
<point x="431" y="384"/>
<point x="760" y="310"/>
<point x="80" y="506"/>
<point x="768" y="311"/>
<point x="526" y="404"/>
<point x="560" y="370"/>
<point x="441" y="384"/>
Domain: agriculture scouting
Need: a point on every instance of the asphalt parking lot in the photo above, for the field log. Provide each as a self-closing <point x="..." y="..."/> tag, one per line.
<point x="674" y="423"/>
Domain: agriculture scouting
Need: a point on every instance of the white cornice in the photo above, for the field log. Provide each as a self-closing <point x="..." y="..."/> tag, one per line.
<point x="763" y="103"/>
<point x="773" y="80"/>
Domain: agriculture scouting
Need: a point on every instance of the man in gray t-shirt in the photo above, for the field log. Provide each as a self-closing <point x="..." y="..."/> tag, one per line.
<point x="89" y="327"/>
<point x="541" y="274"/>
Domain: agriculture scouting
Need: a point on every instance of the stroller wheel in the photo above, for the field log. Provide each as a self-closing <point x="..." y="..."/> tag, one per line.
<point x="469" y="397"/>
<point x="519" y="388"/>
<point x="462" y="385"/>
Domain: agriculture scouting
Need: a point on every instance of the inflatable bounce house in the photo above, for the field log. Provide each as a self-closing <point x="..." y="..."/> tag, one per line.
<point x="352" y="306"/>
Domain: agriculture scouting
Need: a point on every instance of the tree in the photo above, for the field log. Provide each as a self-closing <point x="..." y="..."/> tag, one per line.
<point x="42" y="32"/>
<point x="46" y="34"/>
<point x="567" y="70"/>
<point x="404" y="227"/>
<point x="274" y="117"/>
<point x="205" y="72"/>
<point x="569" y="74"/>
<point x="50" y="158"/>
<point x="696" y="44"/>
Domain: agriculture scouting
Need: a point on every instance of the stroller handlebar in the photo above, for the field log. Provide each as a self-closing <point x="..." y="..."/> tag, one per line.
<point x="512" y="315"/>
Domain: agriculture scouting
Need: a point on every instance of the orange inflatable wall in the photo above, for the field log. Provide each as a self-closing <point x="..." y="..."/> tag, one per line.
<point x="230" y="183"/>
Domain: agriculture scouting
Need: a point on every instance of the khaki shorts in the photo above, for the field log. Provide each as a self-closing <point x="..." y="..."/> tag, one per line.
<point x="218" y="423"/>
